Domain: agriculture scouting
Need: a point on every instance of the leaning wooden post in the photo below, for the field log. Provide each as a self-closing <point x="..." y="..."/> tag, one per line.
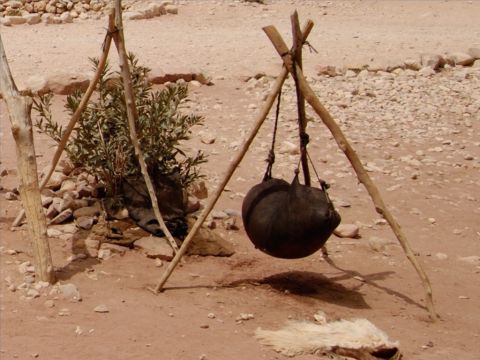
<point x="81" y="106"/>
<point x="132" y="115"/>
<point x="19" y="108"/>
<point x="352" y="156"/>
<point x="302" y="120"/>
<point x="233" y="166"/>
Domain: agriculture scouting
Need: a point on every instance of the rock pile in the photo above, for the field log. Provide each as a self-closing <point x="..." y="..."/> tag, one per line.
<point x="67" y="83"/>
<point x="427" y="64"/>
<point x="17" y="12"/>
<point x="74" y="213"/>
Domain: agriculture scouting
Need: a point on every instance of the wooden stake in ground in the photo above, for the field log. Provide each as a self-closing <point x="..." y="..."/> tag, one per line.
<point x="81" y="106"/>
<point x="352" y="156"/>
<point x="19" y="108"/>
<point x="132" y="115"/>
<point x="233" y="166"/>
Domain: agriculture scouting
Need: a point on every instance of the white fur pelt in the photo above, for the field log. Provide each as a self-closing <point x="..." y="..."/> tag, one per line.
<point x="302" y="337"/>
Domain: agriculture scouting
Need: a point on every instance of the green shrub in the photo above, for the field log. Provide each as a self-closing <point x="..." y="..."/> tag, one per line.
<point x="100" y="142"/>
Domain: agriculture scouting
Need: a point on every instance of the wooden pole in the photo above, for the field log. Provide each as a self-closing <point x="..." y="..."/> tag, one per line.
<point x="352" y="156"/>
<point x="78" y="112"/>
<point x="132" y="115"/>
<point x="302" y="120"/>
<point x="19" y="108"/>
<point x="233" y="166"/>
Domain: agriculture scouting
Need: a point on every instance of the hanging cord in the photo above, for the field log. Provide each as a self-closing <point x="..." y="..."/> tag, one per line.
<point x="271" y="154"/>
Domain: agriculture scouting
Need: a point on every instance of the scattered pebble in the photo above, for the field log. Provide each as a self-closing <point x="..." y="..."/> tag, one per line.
<point x="102" y="308"/>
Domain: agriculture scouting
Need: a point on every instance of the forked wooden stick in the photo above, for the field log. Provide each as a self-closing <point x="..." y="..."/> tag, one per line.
<point x="19" y="108"/>
<point x="352" y="156"/>
<point x="81" y="106"/>
<point x="233" y="166"/>
<point x="132" y="115"/>
<point x="302" y="120"/>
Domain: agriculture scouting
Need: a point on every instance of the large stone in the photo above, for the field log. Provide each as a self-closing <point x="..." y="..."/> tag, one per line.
<point x="209" y="242"/>
<point x="62" y="217"/>
<point x="171" y="9"/>
<point x="193" y="204"/>
<point x="289" y="148"/>
<point x="91" y="247"/>
<point x="155" y="247"/>
<point x="66" y="84"/>
<point x="156" y="9"/>
<point x="68" y="292"/>
<point x="327" y="70"/>
<point x="199" y="190"/>
<point x="377" y="244"/>
<point x="32" y="19"/>
<point x="86" y="211"/>
<point x="114" y="249"/>
<point x="433" y="61"/>
<point x="413" y="64"/>
<point x="133" y="15"/>
<point x="474" y="52"/>
<point x="473" y="259"/>
<point x="39" y="6"/>
<point x="67" y="185"/>
<point x="346" y="231"/>
<point x="14" y="4"/>
<point x="37" y="84"/>
<point x="55" y="180"/>
<point x="66" y="18"/>
<point x="206" y="137"/>
<point x="85" y="222"/>
<point x="16" y="20"/>
<point x="460" y="58"/>
<point x="5" y="21"/>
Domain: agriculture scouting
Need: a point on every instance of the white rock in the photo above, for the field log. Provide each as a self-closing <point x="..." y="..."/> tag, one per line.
<point x="432" y="61"/>
<point x="377" y="244"/>
<point x="104" y="254"/>
<point x="68" y="292"/>
<point x="347" y="231"/>
<point x="426" y="71"/>
<point x="66" y="18"/>
<point x="49" y="304"/>
<point x="460" y="58"/>
<point x="474" y="52"/>
<point x="171" y="9"/>
<point x="114" y="248"/>
<point x="206" y="137"/>
<point x="32" y="294"/>
<point x="16" y="20"/>
<point x="289" y="148"/>
<point x="32" y="19"/>
<point x="133" y="15"/>
<point x="441" y="256"/>
<point x="5" y="21"/>
<point x="102" y="308"/>
<point x="26" y="267"/>
<point x="155" y="247"/>
<point x="473" y="260"/>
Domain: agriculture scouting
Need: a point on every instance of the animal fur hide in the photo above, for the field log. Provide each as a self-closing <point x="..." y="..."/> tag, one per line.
<point x="302" y="337"/>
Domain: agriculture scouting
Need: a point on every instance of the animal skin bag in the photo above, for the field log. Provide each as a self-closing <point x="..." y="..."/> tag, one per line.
<point x="288" y="220"/>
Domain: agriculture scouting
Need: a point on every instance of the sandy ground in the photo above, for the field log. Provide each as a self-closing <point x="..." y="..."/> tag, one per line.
<point x="225" y="41"/>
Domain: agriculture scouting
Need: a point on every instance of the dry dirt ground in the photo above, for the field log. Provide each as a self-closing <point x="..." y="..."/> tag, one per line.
<point x="436" y="202"/>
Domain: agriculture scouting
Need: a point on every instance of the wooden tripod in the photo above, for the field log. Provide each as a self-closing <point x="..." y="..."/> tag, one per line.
<point x="292" y="65"/>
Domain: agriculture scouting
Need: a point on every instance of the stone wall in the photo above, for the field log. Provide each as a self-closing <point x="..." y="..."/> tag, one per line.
<point x="17" y="12"/>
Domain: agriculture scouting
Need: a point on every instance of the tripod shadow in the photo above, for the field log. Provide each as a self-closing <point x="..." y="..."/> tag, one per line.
<point x="302" y="284"/>
<point x="370" y="280"/>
